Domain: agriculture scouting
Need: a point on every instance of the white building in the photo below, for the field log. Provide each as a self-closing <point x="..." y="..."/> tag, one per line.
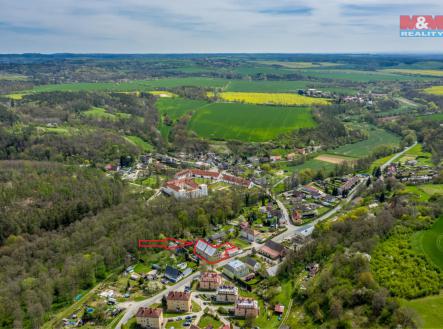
<point x="185" y="188"/>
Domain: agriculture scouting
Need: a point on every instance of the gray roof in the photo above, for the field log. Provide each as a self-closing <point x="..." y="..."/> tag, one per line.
<point x="206" y="248"/>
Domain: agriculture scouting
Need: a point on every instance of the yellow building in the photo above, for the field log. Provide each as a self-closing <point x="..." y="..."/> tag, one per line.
<point x="150" y="317"/>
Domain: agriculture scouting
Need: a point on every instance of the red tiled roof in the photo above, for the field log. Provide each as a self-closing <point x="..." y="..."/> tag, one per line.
<point x="210" y="277"/>
<point x="179" y="295"/>
<point x="186" y="183"/>
<point x="197" y="172"/>
<point x="270" y="252"/>
<point x="236" y="180"/>
<point x="279" y="308"/>
<point x="147" y="312"/>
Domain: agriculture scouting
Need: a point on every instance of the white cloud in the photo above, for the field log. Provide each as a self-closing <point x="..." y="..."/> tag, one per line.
<point x="148" y="26"/>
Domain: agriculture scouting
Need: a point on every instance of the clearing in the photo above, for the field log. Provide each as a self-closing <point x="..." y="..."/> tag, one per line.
<point x="332" y="158"/>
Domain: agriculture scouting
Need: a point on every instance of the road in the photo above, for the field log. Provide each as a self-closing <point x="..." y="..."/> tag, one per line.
<point x="396" y="156"/>
<point x="132" y="307"/>
<point x="306" y="230"/>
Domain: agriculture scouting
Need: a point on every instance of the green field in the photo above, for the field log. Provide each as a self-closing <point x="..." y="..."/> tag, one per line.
<point x="358" y="76"/>
<point x="377" y="137"/>
<point x="431" y="241"/>
<point x="247" y="122"/>
<point x="429" y="309"/>
<point x="136" y="85"/>
<point x="433" y="117"/>
<point x="177" y="107"/>
<point x="425" y="191"/>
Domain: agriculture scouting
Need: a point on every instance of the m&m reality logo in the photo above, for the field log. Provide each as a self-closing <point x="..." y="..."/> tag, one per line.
<point x="421" y="26"/>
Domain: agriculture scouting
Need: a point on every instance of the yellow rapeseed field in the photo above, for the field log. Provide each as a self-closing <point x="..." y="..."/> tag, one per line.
<point x="435" y="90"/>
<point x="434" y="73"/>
<point x="270" y="98"/>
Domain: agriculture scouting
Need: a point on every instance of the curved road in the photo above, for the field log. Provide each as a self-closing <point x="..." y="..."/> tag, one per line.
<point x="306" y="229"/>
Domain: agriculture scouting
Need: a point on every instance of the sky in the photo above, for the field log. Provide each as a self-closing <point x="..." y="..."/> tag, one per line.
<point x="212" y="26"/>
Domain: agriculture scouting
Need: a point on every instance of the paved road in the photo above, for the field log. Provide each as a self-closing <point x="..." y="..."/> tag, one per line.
<point x="396" y="156"/>
<point x="306" y="229"/>
<point x="132" y="307"/>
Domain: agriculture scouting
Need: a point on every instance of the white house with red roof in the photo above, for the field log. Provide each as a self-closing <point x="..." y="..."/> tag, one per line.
<point x="185" y="188"/>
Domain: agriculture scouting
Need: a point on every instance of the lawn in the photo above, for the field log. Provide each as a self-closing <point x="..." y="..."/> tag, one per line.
<point x="286" y="99"/>
<point x="431" y="241"/>
<point x="248" y="122"/>
<point x="377" y="137"/>
<point x="207" y="320"/>
<point x="429" y="309"/>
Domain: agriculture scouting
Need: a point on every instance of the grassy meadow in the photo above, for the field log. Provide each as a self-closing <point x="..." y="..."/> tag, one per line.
<point x="377" y="137"/>
<point x="429" y="309"/>
<point x="248" y="122"/>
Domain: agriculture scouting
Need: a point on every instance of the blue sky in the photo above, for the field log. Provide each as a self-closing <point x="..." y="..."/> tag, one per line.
<point x="192" y="26"/>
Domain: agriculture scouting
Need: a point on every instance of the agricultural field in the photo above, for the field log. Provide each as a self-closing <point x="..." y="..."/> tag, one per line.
<point x="377" y="137"/>
<point x="332" y="158"/>
<point x="248" y="122"/>
<point x="299" y="65"/>
<point x="271" y="98"/>
<point x="136" y="85"/>
<point x="432" y="73"/>
<point x="429" y="309"/>
<point x="434" y="90"/>
<point x="283" y="86"/>
<point x="357" y="76"/>
<point x="175" y="108"/>
<point x="12" y="77"/>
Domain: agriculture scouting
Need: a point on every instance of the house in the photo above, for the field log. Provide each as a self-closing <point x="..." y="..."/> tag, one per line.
<point x="185" y="188"/>
<point x="273" y="250"/>
<point x="249" y="234"/>
<point x="210" y="281"/>
<point x="173" y="274"/>
<point x="252" y="264"/>
<point x="291" y="156"/>
<point x="275" y="158"/>
<point x="235" y="269"/>
<point x="312" y="191"/>
<point x="348" y="185"/>
<point x="246" y="307"/>
<point x="226" y="294"/>
<point x="179" y="301"/>
<point x="149" y="317"/>
<point x="234" y="180"/>
<point x="278" y="308"/>
<point x="206" y="251"/>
